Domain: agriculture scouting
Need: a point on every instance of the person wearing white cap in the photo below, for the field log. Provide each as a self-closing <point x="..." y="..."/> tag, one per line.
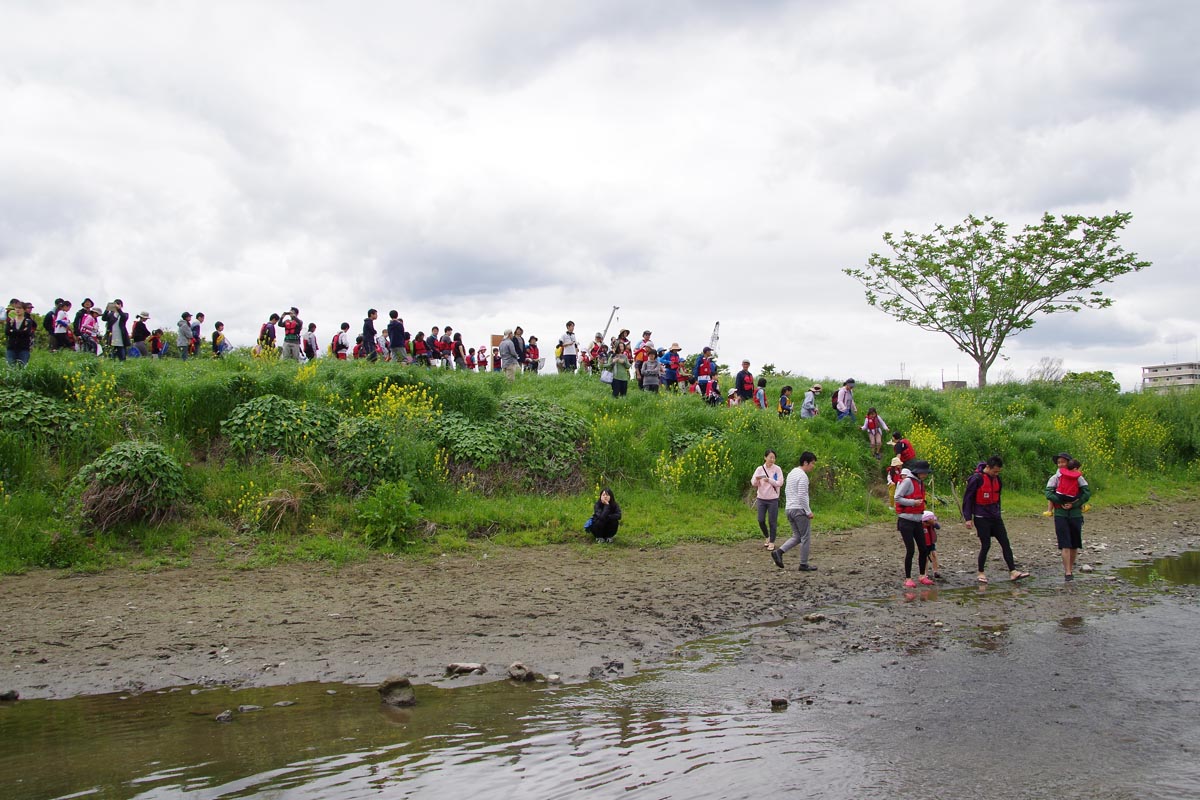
<point x="141" y="332"/>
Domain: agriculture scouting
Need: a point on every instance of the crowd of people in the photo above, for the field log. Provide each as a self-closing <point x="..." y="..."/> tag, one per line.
<point x="1066" y="491"/>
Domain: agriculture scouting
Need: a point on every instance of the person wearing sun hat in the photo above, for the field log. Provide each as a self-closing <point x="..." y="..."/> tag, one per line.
<point x="671" y="361"/>
<point x="808" y="408"/>
<point x="910" y="509"/>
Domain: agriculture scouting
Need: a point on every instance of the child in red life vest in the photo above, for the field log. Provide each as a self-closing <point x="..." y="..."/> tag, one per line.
<point x="533" y="355"/>
<point x="495" y="359"/>
<point x="874" y="426"/>
<point x="760" y="396"/>
<point x="903" y="447"/>
<point x="1067" y="490"/>
<point x="471" y="358"/>
<point x="930" y="524"/>
<point x="893" y="478"/>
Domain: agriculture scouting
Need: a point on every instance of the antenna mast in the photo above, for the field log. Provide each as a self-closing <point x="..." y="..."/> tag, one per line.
<point x="607" y="324"/>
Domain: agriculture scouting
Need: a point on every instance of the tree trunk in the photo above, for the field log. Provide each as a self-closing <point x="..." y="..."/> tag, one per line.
<point x="983" y="370"/>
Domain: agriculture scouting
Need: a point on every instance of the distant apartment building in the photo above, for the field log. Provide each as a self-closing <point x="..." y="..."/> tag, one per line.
<point x="1166" y="377"/>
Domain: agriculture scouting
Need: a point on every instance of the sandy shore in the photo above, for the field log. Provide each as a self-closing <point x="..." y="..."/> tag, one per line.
<point x="561" y="609"/>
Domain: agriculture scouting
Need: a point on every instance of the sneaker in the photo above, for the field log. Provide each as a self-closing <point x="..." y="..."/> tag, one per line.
<point x="777" y="557"/>
<point x="925" y="580"/>
<point x="1068" y="577"/>
<point x="806" y="568"/>
<point x="910" y="584"/>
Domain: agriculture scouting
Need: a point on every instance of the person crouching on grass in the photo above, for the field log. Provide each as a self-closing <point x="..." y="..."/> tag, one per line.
<point x="606" y="517"/>
<point x="910" y="508"/>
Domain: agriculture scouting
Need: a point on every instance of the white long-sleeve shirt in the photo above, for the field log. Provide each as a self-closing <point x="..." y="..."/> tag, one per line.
<point x="797" y="491"/>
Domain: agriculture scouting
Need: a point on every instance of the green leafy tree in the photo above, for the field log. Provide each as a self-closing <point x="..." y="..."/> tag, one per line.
<point x="1100" y="380"/>
<point x="978" y="285"/>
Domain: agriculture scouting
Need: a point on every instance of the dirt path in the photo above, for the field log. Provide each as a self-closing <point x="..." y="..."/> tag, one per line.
<point x="559" y="609"/>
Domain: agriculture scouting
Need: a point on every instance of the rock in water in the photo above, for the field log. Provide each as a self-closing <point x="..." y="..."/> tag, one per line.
<point x="247" y="709"/>
<point x="465" y="669"/>
<point x="225" y="716"/>
<point x="397" y="692"/>
<point x="814" y="617"/>
<point x="779" y="702"/>
<point x="10" y="696"/>
<point x="1086" y="568"/>
<point x="519" y="672"/>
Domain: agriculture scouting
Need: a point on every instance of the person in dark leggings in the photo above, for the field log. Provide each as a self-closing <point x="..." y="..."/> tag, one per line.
<point x="981" y="511"/>
<point x="910" y="506"/>
<point x="606" y="517"/>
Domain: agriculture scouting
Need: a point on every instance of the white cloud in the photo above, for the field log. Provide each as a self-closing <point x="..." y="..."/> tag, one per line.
<point x="487" y="163"/>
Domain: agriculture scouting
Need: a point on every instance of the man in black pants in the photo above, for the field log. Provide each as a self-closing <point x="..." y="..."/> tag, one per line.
<point x="981" y="510"/>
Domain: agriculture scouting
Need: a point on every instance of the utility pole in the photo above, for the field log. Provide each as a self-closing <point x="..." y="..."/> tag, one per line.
<point x="604" y="336"/>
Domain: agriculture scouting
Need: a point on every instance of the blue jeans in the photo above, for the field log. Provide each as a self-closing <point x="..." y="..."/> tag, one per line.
<point x="844" y="414"/>
<point x="20" y="357"/>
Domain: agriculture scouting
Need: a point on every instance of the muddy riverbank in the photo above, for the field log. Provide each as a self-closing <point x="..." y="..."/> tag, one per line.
<point x="562" y="609"/>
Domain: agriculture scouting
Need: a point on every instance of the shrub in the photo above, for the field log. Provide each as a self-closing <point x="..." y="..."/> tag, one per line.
<point x="364" y="449"/>
<point x="388" y="515"/>
<point x="272" y="424"/>
<point x="130" y="482"/>
<point x="30" y="413"/>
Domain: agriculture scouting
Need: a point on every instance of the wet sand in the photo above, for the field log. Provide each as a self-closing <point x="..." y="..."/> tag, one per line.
<point x="559" y="609"/>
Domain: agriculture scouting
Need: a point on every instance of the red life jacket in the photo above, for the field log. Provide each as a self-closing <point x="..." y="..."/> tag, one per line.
<point x="906" y="451"/>
<point x="748" y="383"/>
<point x="531" y="353"/>
<point x="292" y="326"/>
<point x="872" y="422"/>
<point x="705" y="368"/>
<point x="419" y="347"/>
<point x="894" y="474"/>
<point x="988" y="492"/>
<point x="918" y="493"/>
<point x="470" y="361"/>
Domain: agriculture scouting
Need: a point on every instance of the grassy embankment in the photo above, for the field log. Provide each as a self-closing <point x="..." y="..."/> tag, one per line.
<point x="254" y="462"/>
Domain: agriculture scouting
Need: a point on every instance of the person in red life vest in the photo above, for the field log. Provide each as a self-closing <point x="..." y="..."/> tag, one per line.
<point x="930" y="526"/>
<point x="471" y="359"/>
<point x="496" y="363"/>
<point x="533" y="356"/>
<point x="645" y="349"/>
<point x="420" y="349"/>
<point x="874" y="425"/>
<point x="705" y="368"/>
<point x="1068" y="514"/>
<point x="743" y="383"/>
<point x="910" y="508"/>
<point x="760" y="395"/>
<point x="481" y="358"/>
<point x="266" y="332"/>
<point x="359" y="351"/>
<point x="671" y="362"/>
<point x="981" y="512"/>
<point x="903" y="447"/>
<point x="893" y="478"/>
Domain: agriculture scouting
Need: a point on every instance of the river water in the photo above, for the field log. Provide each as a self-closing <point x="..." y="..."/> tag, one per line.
<point x="1104" y="706"/>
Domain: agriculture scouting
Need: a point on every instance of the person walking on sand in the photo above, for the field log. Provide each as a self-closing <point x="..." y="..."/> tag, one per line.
<point x="981" y="513"/>
<point x="799" y="513"/>
<point x="910" y="509"/>
<point x="767" y="481"/>
<point x="1068" y="515"/>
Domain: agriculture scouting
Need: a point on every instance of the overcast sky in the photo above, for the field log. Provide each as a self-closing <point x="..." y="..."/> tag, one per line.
<point x="486" y="164"/>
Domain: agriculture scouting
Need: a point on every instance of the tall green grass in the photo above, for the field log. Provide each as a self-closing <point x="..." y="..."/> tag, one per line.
<point x="680" y="468"/>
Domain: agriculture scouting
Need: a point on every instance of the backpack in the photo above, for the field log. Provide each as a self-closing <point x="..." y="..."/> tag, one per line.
<point x="333" y="345"/>
<point x="834" y="399"/>
<point x="48" y="322"/>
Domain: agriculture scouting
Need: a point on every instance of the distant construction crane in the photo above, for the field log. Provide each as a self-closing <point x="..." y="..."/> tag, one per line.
<point x="716" y="337"/>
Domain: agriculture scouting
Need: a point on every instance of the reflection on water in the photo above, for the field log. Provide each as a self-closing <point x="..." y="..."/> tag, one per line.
<point x="1081" y="707"/>
<point x="1182" y="570"/>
